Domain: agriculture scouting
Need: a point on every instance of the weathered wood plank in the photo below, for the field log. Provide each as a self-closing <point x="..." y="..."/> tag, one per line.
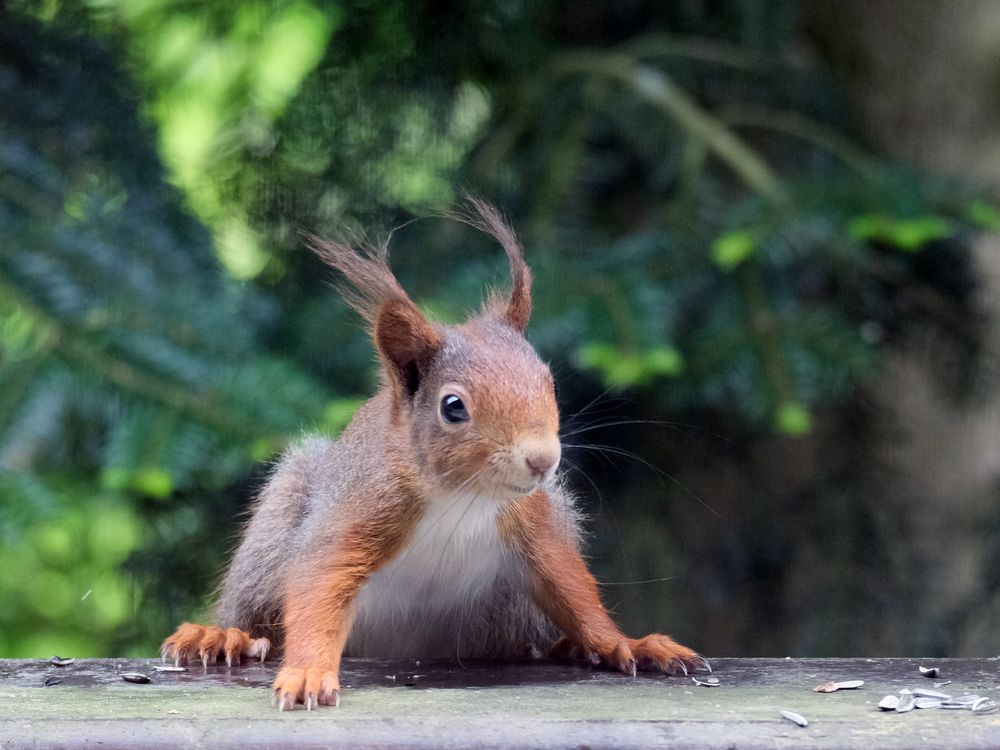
<point x="446" y="704"/>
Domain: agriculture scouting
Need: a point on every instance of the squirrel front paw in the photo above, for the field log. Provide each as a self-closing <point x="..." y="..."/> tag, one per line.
<point x="208" y="643"/>
<point x="311" y="686"/>
<point x="654" y="652"/>
<point x="664" y="654"/>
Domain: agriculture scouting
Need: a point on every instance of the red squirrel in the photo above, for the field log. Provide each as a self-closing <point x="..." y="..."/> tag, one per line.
<point x="436" y="525"/>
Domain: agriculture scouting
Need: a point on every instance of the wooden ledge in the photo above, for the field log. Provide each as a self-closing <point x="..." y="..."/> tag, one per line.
<point x="447" y="704"/>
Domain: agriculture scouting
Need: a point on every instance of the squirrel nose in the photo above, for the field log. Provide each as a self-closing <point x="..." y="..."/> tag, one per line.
<point x="539" y="463"/>
<point x="540" y="454"/>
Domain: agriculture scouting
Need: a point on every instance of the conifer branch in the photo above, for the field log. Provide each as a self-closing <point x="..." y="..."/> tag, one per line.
<point x="199" y="406"/>
<point x="656" y="87"/>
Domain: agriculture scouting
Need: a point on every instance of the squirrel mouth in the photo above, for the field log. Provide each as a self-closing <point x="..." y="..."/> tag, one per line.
<point x="519" y="490"/>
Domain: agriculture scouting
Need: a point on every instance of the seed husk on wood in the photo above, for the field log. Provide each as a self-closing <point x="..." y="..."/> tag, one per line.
<point x="707" y="682"/>
<point x="962" y="702"/>
<point x="58" y="661"/>
<point x="928" y="671"/>
<point x="136" y="677"/>
<point x="925" y="693"/>
<point x="924" y="698"/>
<point x="169" y="668"/>
<point x="985" y="706"/>
<point x="50" y="681"/>
<point x="849" y="684"/>
<point x="967" y="700"/>
<point x="795" y="718"/>
<point x="889" y="703"/>
<point x="832" y="687"/>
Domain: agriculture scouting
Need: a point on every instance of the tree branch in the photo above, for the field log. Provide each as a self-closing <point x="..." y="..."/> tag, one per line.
<point x="806" y="129"/>
<point x="656" y="88"/>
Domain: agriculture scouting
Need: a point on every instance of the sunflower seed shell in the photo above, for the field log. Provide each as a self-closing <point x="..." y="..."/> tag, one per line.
<point x="795" y="718"/>
<point x="985" y="706"/>
<point x="966" y="700"/>
<point x="849" y="684"/>
<point x="889" y="703"/>
<point x="707" y="682"/>
<point x="906" y="703"/>
<point x="924" y="693"/>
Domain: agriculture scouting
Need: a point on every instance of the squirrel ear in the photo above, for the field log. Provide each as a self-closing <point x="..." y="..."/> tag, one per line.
<point x="406" y="341"/>
<point x="519" y="306"/>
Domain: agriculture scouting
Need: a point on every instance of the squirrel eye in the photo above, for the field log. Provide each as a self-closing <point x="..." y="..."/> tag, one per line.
<point x="453" y="410"/>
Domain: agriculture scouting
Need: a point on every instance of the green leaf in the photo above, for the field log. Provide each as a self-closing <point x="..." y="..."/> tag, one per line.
<point x="621" y="369"/>
<point x="339" y="413"/>
<point x="732" y="248"/>
<point x="22" y="334"/>
<point x="149" y="481"/>
<point x="984" y="215"/>
<point x="664" y="360"/>
<point x="153" y="482"/>
<point x="267" y="447"/>
<point x="906" y="234"/>
<point x="793" y="418"/>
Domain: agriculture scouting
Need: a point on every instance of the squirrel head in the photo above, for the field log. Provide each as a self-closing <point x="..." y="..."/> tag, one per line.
<point x="477" y="403"/>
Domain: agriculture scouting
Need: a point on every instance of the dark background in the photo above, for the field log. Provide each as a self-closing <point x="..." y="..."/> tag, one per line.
<point x="765" y="243"/>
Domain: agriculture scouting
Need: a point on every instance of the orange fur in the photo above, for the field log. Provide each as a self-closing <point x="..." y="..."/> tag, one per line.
<point x="566" y="591"/>
<point x="318" y="603"/>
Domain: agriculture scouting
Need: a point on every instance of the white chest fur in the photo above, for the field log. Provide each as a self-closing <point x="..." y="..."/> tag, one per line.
<point x="417" y="604"/>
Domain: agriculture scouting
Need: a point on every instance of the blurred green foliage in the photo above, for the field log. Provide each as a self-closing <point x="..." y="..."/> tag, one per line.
<point x="699" y="240"/>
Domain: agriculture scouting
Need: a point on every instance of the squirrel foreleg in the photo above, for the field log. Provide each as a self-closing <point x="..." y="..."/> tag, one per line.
<point x="318" y="607"/>
<point x="566" y="591"/>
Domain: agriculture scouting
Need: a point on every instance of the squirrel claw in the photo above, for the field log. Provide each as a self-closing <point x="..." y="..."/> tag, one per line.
<point x="663" y="654"/>
<point x="631" y="667"/>
<point x="310" y="686"/>
<point x="654" y="652"/>
<point x="208" y="644"/>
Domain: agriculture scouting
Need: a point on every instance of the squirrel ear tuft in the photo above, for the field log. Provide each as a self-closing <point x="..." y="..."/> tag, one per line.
<point x="488" y="219"/>
<point x="406" y="342"/>
<point x="519" y="306"/>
